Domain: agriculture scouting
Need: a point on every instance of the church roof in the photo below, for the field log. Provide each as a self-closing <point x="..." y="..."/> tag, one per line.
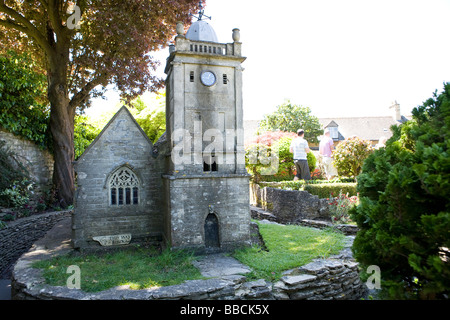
<point x="201" y="31"/>
<point x="122" y="110"/>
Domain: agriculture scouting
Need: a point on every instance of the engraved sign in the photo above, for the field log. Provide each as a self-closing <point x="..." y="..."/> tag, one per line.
<point x="113" y="240"/>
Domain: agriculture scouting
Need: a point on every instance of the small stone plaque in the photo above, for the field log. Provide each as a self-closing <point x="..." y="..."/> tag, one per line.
<point x="113" y="240"/>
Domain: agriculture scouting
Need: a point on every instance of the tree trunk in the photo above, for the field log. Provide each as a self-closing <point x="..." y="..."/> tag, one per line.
<point x="62" y="117"/>
<point x="62" y="127"/>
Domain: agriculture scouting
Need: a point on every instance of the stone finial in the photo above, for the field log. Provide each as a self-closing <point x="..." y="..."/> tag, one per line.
<point x="180" y="28"/>
<point x="236" y="35"/>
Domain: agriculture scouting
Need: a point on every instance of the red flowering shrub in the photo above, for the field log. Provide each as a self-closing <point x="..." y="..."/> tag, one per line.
<point x="340" y="205"/>
<point x="269" y="137"/>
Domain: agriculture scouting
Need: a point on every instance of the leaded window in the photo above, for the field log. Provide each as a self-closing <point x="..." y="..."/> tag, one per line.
<point x="124" y="188"/>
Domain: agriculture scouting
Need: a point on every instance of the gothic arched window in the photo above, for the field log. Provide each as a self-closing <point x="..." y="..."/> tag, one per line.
<point x="124" y="187"/>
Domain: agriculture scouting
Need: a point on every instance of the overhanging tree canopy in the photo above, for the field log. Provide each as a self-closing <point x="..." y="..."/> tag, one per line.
<point x="84" y="45"/>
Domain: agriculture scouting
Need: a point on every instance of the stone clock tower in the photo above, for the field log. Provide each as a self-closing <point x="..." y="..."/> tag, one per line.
<point x="206" y="185"/>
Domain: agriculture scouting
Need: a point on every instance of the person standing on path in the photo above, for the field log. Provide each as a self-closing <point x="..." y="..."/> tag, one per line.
<point x="299" y="147"/>
<point x="326" y="148"/>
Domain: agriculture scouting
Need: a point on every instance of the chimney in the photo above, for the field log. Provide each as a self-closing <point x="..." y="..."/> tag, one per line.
<point x="396" y="111"/>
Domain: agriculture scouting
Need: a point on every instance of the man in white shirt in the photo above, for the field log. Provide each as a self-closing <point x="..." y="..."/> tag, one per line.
<point x="326" y="148"/>
<point x="299" y="147"/>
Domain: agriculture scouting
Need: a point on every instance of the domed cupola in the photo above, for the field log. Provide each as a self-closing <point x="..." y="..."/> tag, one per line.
<point x="201" y="30"/>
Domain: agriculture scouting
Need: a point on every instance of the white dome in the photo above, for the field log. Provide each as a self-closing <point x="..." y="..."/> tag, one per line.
<point x="201" y="31"/>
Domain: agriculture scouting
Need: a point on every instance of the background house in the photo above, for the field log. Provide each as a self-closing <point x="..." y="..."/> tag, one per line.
<point x="341" y="128"/>
<point x="368" y="128"/>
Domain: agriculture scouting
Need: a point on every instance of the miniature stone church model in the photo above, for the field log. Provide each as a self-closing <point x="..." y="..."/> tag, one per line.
<point x="188" y="190"/>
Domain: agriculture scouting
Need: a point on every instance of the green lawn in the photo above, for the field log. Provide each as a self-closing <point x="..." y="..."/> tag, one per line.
<point x="289" y="246"/>
<point x="139" y="268"/>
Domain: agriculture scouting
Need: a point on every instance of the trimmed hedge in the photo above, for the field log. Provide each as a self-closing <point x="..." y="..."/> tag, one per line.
<point x="322" y="189"/>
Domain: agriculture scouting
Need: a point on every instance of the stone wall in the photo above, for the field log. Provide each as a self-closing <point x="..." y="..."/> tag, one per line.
<point x="20" y="235"/>
<point x="289" y="206"/>
<point x="322" y="279"/>
<point x="38" y="162"/>
<point x="191" y="201"/>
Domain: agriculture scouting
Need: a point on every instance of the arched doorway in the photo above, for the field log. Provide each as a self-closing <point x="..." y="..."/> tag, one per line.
<point x="212" y="231"/>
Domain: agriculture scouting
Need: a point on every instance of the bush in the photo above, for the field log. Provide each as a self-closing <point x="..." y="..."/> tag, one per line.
<point x="269" y="155"/>
<point x="350" y="154"/>
<point x="340" y="207"/>
<point x="312" y="161"/>
<point x="322" y="189"/>
<point x="404" y="211"/>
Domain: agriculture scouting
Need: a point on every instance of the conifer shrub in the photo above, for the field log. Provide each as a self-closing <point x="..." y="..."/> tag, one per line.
<point x="404" y="211"/>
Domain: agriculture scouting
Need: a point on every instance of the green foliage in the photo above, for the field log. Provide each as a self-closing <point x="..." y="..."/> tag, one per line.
<point x="312" y="161"/>
<point x="17" y="195"/>
<point x="290" y="117"/>
<point x="152" y="119"/>
<point x="24" y="110"/>
<point x="322" y="189"/>
<point x="260" y="161"/>
<point x="84" y="134"/>
<point x="285" y="157"/>
<point x="404" y="211"/>
<point x="269" y="155"/>
<point x="340" y="206"/>
<point x="350" y="154"/>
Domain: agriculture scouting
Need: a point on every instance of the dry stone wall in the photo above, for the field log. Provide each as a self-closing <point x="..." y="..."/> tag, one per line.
<point x="38" y="162"/>
<point x="19" y="235"/>
<point x="289" y="206"/>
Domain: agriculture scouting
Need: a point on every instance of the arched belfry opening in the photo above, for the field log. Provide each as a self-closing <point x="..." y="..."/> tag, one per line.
<point x="212" y="238"/>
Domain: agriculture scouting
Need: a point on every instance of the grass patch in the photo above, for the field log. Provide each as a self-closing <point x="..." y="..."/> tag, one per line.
<point x="139" y="268"/>
<point x="288" y="246"/>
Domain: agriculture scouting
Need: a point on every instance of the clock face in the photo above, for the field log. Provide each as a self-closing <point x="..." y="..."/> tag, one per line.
<point x="208" y="78"/>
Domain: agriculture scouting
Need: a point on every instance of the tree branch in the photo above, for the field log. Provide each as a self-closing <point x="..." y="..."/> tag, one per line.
<point x="22" y="24"/>
<point x="10" y="24"/>
<point x="84" y="92"/>
<point x="54" y="17"/>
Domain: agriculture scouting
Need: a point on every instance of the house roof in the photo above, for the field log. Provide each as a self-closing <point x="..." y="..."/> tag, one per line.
<point x="367" y="128"/>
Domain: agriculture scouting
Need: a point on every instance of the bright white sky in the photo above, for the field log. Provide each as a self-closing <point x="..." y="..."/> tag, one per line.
<point x="339" y="57"/>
